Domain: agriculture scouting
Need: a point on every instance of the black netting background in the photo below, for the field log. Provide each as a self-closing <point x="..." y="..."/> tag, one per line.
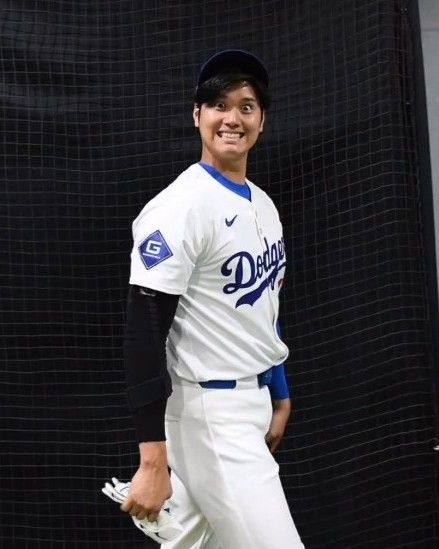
<point x="96" y="119"/>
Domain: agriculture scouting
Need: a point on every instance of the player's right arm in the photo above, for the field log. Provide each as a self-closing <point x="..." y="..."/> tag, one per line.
<point x="168" y="238"/>
<point x="149" y="316"/>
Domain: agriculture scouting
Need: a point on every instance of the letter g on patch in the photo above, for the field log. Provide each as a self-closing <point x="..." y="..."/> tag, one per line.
<point x="154" y="249"/>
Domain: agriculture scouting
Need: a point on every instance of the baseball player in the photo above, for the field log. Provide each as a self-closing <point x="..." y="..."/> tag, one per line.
<point x="205" y="378"/>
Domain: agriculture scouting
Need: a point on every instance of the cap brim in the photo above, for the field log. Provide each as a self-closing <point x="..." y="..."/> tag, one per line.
<point x="243" y="60"/>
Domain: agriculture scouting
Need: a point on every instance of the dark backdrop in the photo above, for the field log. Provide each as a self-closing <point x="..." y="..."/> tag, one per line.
<point x="96" y="114"/>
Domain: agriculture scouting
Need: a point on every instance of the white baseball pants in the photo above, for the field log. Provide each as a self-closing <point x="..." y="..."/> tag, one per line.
<point x="226" y="488"/>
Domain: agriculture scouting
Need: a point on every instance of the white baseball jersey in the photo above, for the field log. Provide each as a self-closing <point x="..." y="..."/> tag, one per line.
<point x="224" y="255"/>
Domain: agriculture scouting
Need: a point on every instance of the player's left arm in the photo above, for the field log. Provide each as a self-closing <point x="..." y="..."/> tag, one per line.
<point x="282" y="407"/>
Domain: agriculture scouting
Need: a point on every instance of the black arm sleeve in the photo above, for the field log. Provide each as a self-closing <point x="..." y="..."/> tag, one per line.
<point x="149" y="318"/>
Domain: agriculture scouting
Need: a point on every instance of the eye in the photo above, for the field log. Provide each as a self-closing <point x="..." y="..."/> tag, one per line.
<point x="220" y="106"/>
<point x="247" y="108"/>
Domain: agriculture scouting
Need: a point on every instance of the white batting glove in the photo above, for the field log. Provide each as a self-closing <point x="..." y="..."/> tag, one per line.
<point x="165" y="528"/>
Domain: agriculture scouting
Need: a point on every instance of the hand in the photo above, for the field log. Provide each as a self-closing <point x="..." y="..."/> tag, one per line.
<point x="151" y="485"/>
<point x="281" y="413"/>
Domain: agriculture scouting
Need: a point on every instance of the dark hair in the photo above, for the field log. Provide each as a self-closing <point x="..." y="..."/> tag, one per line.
<point x="210" y="90"/>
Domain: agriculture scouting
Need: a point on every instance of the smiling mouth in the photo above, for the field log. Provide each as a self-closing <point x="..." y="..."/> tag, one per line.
<point x="231" y="135"/>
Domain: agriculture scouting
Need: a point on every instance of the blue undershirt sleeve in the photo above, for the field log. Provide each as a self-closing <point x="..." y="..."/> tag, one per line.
<point x="278" y="385"/>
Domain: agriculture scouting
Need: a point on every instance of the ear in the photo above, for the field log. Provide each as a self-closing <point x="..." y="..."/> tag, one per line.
<point x="261" y="127"/>
<point x="196" y="115"/>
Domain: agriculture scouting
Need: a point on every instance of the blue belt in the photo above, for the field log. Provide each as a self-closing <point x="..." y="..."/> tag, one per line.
<point x="264" y="378"/>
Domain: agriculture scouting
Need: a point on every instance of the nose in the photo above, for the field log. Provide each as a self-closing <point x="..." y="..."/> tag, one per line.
<point x="231" y="118"/>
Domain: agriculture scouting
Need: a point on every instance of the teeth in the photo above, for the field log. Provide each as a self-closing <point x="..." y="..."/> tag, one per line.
<point x="230" y="135"/>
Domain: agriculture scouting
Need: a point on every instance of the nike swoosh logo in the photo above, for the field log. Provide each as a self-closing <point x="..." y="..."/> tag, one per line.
<point x="230" y="223"/>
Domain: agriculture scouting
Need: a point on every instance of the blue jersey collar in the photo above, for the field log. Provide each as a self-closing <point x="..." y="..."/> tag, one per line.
<point x="242" y="190"/>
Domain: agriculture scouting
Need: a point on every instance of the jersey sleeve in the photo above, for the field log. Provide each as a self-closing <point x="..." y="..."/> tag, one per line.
<point x="168" y="240"/>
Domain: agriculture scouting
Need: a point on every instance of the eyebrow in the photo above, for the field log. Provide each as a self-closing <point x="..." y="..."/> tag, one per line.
<point x="224" y="96"/>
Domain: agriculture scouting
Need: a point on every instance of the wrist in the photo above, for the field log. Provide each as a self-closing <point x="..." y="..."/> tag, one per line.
<point x="153" y="454"/>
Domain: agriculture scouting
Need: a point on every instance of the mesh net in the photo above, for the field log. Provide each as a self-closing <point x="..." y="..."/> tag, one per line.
<point x="96" y="120"/>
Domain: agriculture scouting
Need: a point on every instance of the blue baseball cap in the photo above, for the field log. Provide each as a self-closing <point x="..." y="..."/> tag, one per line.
<point x="241" y="59"/>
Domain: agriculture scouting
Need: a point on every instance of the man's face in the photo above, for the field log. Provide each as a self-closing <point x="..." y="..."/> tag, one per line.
<point x="231" y="126"/>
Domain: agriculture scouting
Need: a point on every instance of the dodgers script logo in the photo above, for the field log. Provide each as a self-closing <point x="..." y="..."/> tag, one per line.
<point x="248" y="271"/>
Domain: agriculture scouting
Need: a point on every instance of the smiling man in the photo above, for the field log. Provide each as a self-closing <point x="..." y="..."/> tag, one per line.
<point x="206" y="270"/>
<point x="229" y="123"/>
